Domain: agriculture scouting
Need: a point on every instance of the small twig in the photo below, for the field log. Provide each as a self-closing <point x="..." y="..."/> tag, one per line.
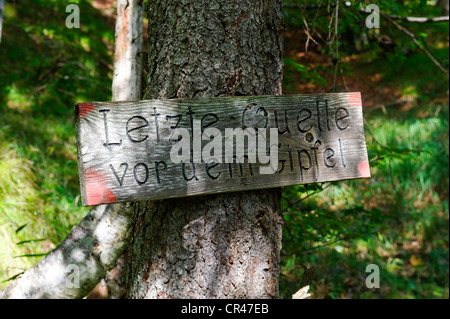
<point x="306" y="29"/>
<point x="309" y="195"/>
<point x="344" y="81"/>
<point x="336" y="29"/>
<point x="309" y="36"/>
<point x="373" y="135"/>
<point x="336" y="37"/>
<point x="328" y="243"/>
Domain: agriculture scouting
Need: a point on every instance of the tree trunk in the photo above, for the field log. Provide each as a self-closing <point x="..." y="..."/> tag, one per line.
<point x="127" y="80"/>
<point x="215" y="246"/>
<point x="126" y="86"/>
<point x="2" y="10"/>
<point x="444" y="5"/>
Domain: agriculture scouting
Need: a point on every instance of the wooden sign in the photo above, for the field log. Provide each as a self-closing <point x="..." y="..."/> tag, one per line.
<point x="156" y="149"/>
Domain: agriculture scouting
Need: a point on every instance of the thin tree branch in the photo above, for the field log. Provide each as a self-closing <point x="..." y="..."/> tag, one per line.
<point x="81" y="260"/>
<point x="393" y="17"/>
<point x="308" y="196"/>
<point x="421" y="46"/>
<point x="420" y="19"/>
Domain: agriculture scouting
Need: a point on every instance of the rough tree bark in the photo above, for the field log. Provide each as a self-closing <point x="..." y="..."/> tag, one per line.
<point x="217" y="246"/>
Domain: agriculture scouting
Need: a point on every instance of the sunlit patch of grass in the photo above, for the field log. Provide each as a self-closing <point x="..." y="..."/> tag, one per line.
<point x="39" y="189"/>
<point x="38" y="169"/>
<point x="10" y="11"/>
<point x="15" y="100"/>
<point x="19" y="198"/>
<point x="16" y="174"/>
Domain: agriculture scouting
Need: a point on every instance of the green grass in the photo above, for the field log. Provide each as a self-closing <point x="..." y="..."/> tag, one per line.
<point x="400" y="221"/>
<point x="45" y="69"/>
<point x="399" y="218"/>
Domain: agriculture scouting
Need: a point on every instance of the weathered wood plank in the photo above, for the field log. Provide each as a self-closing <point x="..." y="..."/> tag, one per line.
<point x="124" y="147"/>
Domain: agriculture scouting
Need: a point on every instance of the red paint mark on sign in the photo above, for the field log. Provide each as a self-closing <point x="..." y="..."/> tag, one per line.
<point x="364" y="169"/>
<point x="85" y="108"/>
<point x="355" y="99"/>
<point x="97" y="192"/>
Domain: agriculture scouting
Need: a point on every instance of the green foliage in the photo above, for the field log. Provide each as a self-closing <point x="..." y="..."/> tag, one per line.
<point x="399" y="218"/>
<point x="45" y="69"/>
<point x="307" y="73"/>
